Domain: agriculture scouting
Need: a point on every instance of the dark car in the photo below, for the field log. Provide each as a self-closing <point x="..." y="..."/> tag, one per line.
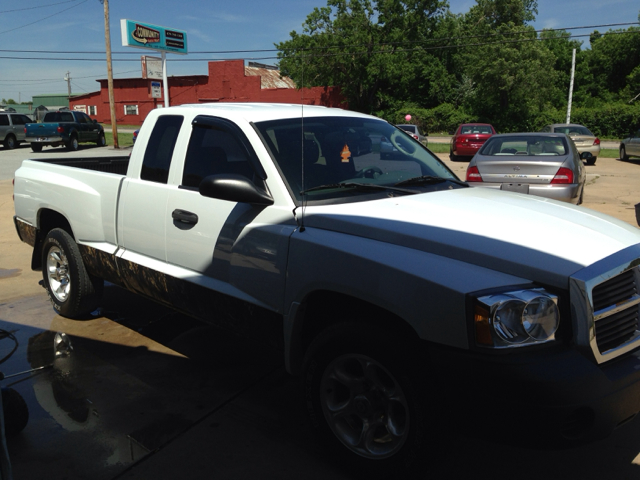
<point x="467" y="140"/>
<point x="544" y="164"/>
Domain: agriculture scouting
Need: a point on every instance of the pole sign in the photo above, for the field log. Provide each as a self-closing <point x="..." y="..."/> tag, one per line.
<point x="156" y="90"/>
<point x="146" y="35"/>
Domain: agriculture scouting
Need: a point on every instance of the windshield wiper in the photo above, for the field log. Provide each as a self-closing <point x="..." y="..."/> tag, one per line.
<point x="430" y="180"/>
<point x="357" y="186"/>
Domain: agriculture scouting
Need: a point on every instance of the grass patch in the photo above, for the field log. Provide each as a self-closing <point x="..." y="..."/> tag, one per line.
<point x="438" y="147"/>
<point x="124" y="139"/>
<point x="609" y="153"/>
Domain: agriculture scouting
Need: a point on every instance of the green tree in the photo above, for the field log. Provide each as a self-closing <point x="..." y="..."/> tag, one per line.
<point x="373" y="50"/>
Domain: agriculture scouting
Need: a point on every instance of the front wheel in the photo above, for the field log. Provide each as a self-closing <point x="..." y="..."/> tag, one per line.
<point x="366" y="400"/>
<point x="623" y="154"/>
<point x="72" y="291"/>
<point x="10" y="142"/>
<point x="102" y="141"/>
<point x="72" y="144"/>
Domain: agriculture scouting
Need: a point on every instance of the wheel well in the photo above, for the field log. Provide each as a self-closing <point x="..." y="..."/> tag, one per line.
<point x="324" y="308"/>
<point x="47" y="221"/>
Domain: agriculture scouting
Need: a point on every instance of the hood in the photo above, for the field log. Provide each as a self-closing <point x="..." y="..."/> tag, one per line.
<point x="530" y="237"/>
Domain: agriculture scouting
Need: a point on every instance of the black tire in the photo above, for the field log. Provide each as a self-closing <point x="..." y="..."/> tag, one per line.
<point x="36" y="147"/>
<point x="72" y="144"/>
<point x="366" y="402"/>
<point x="102" y="141"/>
<point x="15" y="411"/>
<point x="10" y="142"/>
<point x="623" y="154"/>
<point x="452" y="157"/>
<point x="72" y="291"/>
<point x="591" y="160"/>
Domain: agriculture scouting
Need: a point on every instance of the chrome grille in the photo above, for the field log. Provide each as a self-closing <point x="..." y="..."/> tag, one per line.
<point x="613" y="331"/>
<point x="616" y="310"/>
<point x="605" y="305"/>
<point x="617" y="289"/>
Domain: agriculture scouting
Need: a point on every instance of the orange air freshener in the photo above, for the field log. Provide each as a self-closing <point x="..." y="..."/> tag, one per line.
<point x="345" y="153"/>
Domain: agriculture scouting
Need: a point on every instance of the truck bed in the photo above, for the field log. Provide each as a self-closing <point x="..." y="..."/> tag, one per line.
<point x="117" y="165"/>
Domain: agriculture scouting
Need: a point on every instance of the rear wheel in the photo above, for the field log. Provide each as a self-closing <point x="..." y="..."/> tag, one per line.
<point x="591" y="160"/>
<point x="72" y="291"/>
<point x="72" y="144"/>
<point x="623" y="153"/>
<point x="36" y="147"/>
<point x="452" y="157"/>
<point x="10" y="142"/>
<point x="366" y="400"/>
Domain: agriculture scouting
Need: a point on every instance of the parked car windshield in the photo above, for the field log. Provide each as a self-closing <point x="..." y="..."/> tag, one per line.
<point x="525" y="145"/>
<point x="409" y="128"/>
<point x="338" y="150"/>
<point x="573" y="130"/>
<point x="471" y="129"/>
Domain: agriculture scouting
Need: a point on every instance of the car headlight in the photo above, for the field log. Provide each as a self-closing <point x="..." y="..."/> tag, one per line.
<point x="518" y="318"/>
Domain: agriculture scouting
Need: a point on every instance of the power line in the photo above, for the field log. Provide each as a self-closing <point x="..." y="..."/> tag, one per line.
<point x="226" y="52"/>
<point x="37" y="6"/>
<point x="45" y="18"/>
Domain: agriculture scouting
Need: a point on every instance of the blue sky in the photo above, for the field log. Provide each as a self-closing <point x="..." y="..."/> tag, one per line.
<point x="212" y="26"/>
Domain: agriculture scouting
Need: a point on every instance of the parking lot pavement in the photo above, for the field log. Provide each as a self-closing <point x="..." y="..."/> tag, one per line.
<point x="148" y="393"/>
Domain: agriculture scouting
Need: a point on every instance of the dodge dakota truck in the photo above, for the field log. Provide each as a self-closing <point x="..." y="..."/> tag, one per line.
<point x="68" y="128"/>
<point x="404" y="299"/>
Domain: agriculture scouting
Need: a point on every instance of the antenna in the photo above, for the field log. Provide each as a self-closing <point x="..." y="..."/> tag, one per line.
<point x="304" y="195"/>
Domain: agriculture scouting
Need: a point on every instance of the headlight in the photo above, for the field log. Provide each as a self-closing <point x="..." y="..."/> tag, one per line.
<point x="512" y="319"/>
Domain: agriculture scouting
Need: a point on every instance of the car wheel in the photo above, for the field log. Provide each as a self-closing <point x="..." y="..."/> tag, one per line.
<point x="72" y="144"/>
<point x="623" y="154"/>
<point x="101" y="140"/>
<point x="72" y="291"/>
<point x="591" y="160"/>
<point x="452" y="157"/>
<point x="36" y="147"/>
<point x="15" y="412"/>
<point x="10" y="142"/>
<point x="366" y="400"/>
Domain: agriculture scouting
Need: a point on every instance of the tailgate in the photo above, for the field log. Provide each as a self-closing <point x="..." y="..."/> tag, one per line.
<point x="42" y="129"/>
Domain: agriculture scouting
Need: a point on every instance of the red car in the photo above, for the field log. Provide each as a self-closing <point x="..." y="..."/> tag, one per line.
<point x="468" y="139"/>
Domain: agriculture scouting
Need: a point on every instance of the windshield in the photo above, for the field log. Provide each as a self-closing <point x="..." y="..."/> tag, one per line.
<point x="335" y="150"/>
<point x="529" y="145"/>
<point x="573" y="130"/>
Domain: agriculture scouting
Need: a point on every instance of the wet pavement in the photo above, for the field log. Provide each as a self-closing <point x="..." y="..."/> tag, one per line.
<point x="139" y="377"/>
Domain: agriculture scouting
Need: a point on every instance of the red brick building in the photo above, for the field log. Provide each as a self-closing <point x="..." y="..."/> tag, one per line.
<point x="227" y="81"/>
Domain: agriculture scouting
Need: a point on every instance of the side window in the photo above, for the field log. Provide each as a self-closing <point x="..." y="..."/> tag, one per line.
<point x="214" y="151"/>
<point x="17" y="120"/>
<point x="157" y="156"/>
<point x="4" y="119"/>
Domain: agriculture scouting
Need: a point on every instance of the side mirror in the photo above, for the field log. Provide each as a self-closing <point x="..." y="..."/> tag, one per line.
<point x="233" y="188"/>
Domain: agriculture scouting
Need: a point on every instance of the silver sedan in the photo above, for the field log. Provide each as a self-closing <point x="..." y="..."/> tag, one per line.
<point x="543" y="164"/>
<point x="630" y="146"/>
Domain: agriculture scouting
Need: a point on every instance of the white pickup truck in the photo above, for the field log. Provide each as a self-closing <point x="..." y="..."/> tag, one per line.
<point x="404" y="298"/>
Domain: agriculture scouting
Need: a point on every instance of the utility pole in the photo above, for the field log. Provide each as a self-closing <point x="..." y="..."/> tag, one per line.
<point x="573" y="69"/>
<point x="68" y="80"/>
<point x="112" y="105"/>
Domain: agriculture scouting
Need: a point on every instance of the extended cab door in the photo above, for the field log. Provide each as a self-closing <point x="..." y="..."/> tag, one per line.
<point x="143" y="200"/>
<point x="87" y="129"/>
<point x="237" y="249"/>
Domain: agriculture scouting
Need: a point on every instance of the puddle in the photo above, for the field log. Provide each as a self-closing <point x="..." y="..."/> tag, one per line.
<point x="14" y="272"/>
